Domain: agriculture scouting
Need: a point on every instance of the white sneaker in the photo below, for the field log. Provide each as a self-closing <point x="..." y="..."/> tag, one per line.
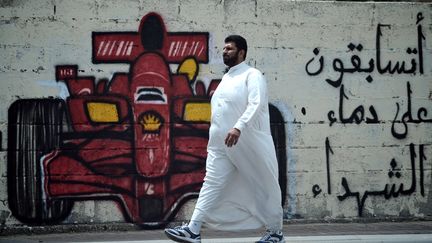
<point x="182" y="234"/>
<point x="272" y="237"/>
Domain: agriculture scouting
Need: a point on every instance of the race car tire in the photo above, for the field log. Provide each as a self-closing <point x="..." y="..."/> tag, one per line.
<point x="34" y="129"/>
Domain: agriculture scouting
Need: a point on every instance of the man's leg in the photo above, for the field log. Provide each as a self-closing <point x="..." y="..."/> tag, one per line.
<point x="218" y="174"/>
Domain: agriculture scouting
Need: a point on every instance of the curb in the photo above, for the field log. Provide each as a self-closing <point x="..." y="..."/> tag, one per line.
<point x="6" y="230"/>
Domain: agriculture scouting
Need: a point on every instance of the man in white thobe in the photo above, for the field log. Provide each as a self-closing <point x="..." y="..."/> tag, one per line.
<point x="241" y="189"/>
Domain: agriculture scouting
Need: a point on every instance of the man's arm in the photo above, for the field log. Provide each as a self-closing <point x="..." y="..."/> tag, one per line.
<point x="257" y="88"/>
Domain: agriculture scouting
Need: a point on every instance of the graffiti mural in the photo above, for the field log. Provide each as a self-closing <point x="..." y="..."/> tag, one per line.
<point x="138" y="139"/>
<point x="368" y="115"/>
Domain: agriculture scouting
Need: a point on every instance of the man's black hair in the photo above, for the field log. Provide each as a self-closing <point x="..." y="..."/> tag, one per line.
<point x="239" y="41"/>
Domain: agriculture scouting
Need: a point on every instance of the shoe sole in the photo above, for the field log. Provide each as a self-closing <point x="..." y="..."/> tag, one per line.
<point x="179" y="238"/>
<point x="282" y="241"/>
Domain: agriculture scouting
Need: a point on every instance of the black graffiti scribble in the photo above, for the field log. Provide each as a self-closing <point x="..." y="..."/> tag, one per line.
<point x="328" y="151"/>
<point x="407" y="117"/>
<point x="377" y="64"/>
<point x="399" y="67"/>
<point x="357" y="116"/>
<point x="321" y="64"/>
<point x="316" y="190"/>
<point x="389" y="190"/>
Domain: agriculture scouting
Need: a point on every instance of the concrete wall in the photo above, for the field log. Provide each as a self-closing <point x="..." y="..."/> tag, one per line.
<point x="350" y="87"/>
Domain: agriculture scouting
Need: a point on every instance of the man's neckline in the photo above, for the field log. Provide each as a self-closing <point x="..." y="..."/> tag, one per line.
<point x="236" y="67"/>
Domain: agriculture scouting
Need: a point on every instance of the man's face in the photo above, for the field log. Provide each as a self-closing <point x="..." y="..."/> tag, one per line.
<point x="230" y="54"/>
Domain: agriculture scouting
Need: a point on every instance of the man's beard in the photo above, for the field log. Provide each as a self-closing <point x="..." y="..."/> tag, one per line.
<point x="230" y="61"/>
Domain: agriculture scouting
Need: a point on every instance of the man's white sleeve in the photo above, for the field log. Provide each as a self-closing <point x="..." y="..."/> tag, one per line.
<point x="257" y="88"/>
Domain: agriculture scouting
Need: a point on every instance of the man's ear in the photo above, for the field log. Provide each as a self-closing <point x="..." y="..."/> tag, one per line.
<point x="242" y="54"/>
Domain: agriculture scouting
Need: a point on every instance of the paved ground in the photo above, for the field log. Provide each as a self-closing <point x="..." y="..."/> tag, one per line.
<point x="417" y="231"/>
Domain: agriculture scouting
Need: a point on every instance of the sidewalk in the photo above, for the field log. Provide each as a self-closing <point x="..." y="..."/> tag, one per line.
<point x="317" y="232"/>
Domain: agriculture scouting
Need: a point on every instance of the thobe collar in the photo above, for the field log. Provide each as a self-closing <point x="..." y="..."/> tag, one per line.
<point x="237" y="67"/>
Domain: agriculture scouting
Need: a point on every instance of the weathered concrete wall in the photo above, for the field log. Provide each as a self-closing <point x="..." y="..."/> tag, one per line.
<point x="351" y="81"/>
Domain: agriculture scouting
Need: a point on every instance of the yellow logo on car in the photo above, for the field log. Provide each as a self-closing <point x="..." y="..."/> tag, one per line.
<point x="151" y="122"/>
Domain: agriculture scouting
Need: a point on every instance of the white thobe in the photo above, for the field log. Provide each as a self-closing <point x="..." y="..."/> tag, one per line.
<point x="241" y="189"/>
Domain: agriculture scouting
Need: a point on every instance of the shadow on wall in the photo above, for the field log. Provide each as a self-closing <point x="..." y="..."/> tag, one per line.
<point x="139" y="139"/>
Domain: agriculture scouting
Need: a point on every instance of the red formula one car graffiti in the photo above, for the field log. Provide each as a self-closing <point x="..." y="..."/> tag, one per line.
<point x="139" y="139"/>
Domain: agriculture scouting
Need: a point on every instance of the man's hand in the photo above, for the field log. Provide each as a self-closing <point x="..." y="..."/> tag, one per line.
<point x="232" y="137"/>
